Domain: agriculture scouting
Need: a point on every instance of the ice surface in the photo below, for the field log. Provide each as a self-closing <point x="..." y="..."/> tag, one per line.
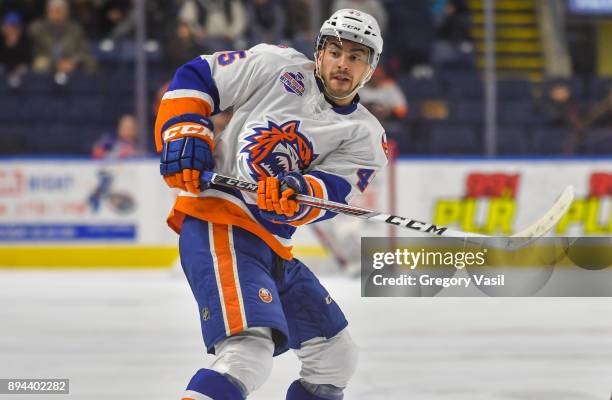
<point x="135" y="335"/>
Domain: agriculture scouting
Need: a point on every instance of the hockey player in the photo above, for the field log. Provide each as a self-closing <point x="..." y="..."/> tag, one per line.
<point x="297" y="127"/>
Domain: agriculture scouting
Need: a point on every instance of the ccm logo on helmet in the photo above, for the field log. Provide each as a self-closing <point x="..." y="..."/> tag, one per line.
<point x="186" y="130"/>
<point x="351" y="27"/>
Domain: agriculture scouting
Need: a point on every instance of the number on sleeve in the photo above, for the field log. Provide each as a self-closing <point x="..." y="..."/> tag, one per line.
<point x="229" y="57"/>
<point x="364" y="177"/>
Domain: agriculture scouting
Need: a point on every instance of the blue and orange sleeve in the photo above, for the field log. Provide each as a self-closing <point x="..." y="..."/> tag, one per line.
<point x="192" y="97"/>
<point x="324" y="186"/>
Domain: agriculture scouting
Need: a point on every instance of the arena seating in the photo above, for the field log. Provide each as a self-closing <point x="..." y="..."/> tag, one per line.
<point x="72" y="116"/>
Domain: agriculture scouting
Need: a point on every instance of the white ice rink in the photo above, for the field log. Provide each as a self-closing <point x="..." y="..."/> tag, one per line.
<point x="135" y="335"/>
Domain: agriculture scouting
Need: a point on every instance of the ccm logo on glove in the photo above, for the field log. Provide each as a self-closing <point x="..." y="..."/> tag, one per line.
<point x="187" y="130"/>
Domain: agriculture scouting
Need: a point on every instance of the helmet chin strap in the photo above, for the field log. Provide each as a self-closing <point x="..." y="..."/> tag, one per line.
<point x="366" y="77"/>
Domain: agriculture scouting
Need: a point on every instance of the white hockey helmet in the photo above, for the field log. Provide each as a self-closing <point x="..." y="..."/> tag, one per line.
<point x="355" y="26"/>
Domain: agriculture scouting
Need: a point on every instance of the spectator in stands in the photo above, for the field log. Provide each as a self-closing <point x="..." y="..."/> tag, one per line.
<point x="15" y="48"/>
<point x="121" y="145"/>
<point x="112" y="14"/>
<point x="181" y="47"/>
<point x="221" y="22"/>
<point x="119" y="18"/>
<point x="266" y="21"/>
<point x="454" y="44"/>
<point x="29" y="10"/>
<point x="438" y="10"/>
<point x="372" y="7"/>
<point x="559" y="107"/>
<point x="560" y="110"/>
<point x="298" y="25"/>
<point x="86" y="13"/>
<point x="409" y="37"/>
<point x="455" y="25"/>
<point x="383" y="97"/>
<point x="59" y="44"/>
<point x="159" y="13"/>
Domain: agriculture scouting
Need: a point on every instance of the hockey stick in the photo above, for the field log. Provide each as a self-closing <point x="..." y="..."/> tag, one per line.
<point x="516" y="241"/>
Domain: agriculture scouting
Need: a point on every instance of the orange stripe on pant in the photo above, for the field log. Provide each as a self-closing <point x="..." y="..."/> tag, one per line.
<point x="229" y="282"/>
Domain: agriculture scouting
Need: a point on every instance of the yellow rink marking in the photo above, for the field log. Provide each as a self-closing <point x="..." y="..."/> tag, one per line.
<point x="107" y="256"/>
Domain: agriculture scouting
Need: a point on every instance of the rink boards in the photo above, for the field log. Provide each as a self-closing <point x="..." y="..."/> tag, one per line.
<point x="83" y="213"/>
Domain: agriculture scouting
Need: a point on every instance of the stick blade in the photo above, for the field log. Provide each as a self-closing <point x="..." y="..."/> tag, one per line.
<point x="546" y="222"/>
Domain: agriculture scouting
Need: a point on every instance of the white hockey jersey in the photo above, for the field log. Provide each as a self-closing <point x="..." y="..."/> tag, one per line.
<point x="281" y="122"/>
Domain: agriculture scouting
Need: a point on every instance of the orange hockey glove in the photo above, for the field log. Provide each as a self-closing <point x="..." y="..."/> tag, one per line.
<point x="274" y="197"/>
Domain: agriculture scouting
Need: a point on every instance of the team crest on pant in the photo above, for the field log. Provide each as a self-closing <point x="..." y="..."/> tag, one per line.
<point x="265" y="295"/>
<point x="277" y="148"/>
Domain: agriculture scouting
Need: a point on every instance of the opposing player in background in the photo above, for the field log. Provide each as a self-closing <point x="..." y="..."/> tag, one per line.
<point x="297" y="127"/>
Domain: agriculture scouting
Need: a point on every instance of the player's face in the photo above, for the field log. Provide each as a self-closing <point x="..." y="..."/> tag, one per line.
<point x="342" y="65"/>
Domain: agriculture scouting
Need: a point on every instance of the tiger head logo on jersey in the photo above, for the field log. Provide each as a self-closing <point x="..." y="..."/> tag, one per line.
<point x="277" y="148"/>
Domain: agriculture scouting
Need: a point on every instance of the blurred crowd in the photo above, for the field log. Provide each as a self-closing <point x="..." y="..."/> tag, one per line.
<point x="63" y="35"/>
<point x="60" y="38"/>
<point x="428" y="57"/>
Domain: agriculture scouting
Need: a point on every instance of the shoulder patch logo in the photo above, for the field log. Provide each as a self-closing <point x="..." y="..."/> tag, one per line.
<point x="293" y="82"/>
<point x="265" y="295"/>
<point x="273" y="149"/>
